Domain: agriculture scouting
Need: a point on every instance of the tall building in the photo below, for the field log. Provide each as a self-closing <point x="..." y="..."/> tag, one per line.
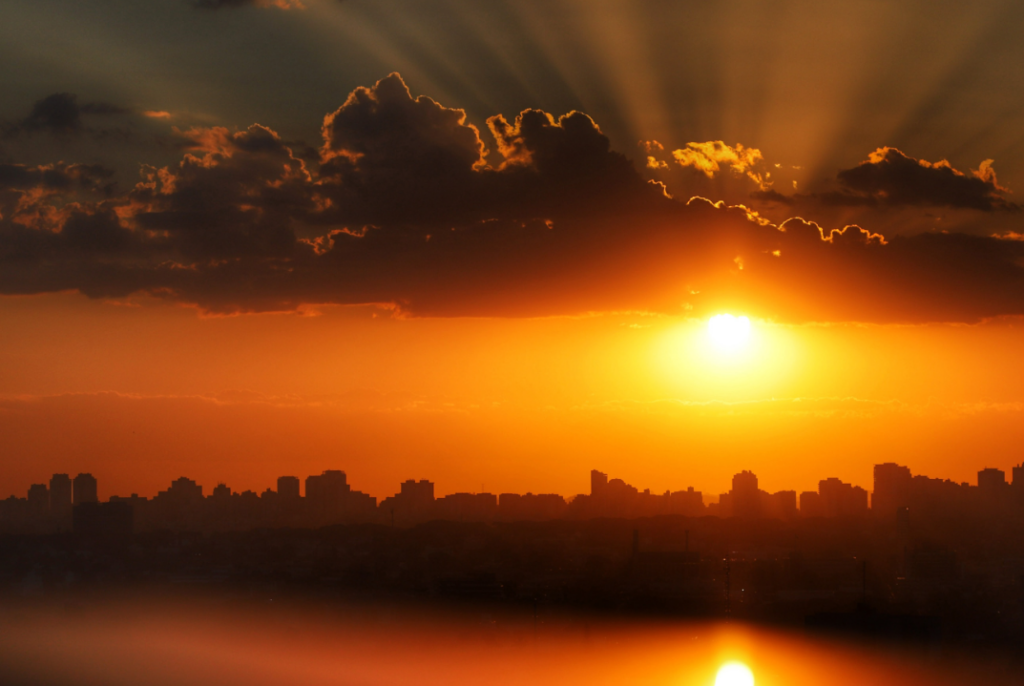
<point x="38" y="499"/>
<point x="85" y="489"/>
<point x="779" y="505"/>
<point x="60" y="495"/>
<point x="183" y="490"/>
<point x="221" y="492"/>
<point x="327" y="488"/>
<point x="746" y="496"/>
<point x="413" y="503"/>
<point x="892" y="489"/>
<point x="1018" y="477"/>
<point x="991" y="480"/>
<point x="288" y="486"/>
<point x="418" y="492"/>
<point x="838" y="499"/>
<point x="598" y="482"/>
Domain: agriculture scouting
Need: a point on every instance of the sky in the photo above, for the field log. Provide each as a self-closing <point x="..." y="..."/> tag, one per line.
<point x="480" y="243"/>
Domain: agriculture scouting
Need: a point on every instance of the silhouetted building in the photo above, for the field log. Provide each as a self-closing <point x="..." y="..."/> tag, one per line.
<point x="183" y="490"/>
<point x="779" y="505"/>
<point x="903" y="530"/>
<point x="745" y="497"/>
<point x="38" y="501"/>
<point x="689" y="502"/>
<point x="418" y="492"/>
<point x="995" y="494"/>
<point x="324" y="495"/>
<point x="892" y="489"/>
<point x="840" y="499"/>
<point x="288" y="486"/>
<point x="327" y="488"/>
<point x="329" y="499"/>
<point x="413" y="503"/>
<point x="616" y="498"/>
<point x="180" y="506"/>
<point x="85" y="489"/>
<point x="60" y="495"/>
<point x="991" y="481"/>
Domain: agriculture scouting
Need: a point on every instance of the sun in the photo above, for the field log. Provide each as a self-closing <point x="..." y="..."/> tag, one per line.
<point x="728" y="333"/>
<point x="734" y="673"/>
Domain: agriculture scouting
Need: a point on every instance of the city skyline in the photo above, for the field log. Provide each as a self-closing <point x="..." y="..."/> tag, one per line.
<point x="330" y="499"/>
<point x="1013" y="468"/>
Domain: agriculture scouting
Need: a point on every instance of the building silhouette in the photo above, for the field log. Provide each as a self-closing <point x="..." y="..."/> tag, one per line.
<point x="838" y="499"/>
<point x="84" y="489"/>
<point x="911" y="503"/>
<point x="745" y="496"/>
<point x="60" y="496"/>
<point x="413" y="503"/>
<point x="891" y="490"/>
<point x="991" y="481"/>
<point x="288" y="487"/>
<point x="38" y="500"/>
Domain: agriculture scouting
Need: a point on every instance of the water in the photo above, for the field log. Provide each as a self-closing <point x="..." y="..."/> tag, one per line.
<point x="206" y="641"/>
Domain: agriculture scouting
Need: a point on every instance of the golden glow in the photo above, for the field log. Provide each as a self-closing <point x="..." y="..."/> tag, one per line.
<point x="547" y="399"/>
<point x="729" y="334"/>
<point x="734" y="674"/>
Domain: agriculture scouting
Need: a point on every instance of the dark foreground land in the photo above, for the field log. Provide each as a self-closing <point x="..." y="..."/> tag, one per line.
<point x="936" y="589"/>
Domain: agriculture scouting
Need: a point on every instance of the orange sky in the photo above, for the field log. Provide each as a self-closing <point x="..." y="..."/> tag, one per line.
<point x="141" y="395"/>
<point x="480" y="242"/>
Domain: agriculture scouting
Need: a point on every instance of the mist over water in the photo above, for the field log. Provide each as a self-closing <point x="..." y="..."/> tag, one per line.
<point x="199" y="642"/>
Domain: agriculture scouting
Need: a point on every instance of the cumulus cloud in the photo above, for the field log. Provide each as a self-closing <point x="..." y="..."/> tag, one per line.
<point x="711" y="158"/>
<point x="411" y="205"/>
<point x="890" y="177"/>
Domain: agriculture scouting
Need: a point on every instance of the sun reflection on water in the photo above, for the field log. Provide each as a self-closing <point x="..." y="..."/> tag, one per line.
<point x="734" y="674"/>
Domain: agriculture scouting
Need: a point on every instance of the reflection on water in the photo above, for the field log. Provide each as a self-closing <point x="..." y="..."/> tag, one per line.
<point x="734" y="674"/>
<point x="178" y="643"/>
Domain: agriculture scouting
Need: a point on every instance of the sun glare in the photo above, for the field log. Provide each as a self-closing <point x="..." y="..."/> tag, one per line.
<point x="734" y="674"/>
<point x="729" y="333"/>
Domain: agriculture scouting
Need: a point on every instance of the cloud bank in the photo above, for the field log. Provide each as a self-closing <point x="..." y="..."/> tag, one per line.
<point x="412" y="206"/>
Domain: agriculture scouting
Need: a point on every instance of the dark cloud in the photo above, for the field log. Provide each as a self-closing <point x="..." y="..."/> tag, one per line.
<point x="391" y="158"/>
<point x="61" y="114"/>
<point x="889" y="177"/>
<point x="231" y="4"/>
<point x="408" y="207"/>
<point x="773" y="196"/>
<point x="53" y="178"/>
<point x="234" y="195"/>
